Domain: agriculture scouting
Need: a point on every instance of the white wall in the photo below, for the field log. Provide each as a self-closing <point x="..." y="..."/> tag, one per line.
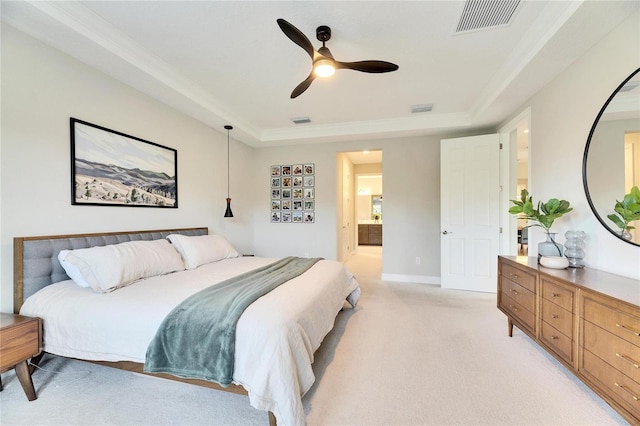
<point x="41" y="89"/>
<point x="562" y="114"/>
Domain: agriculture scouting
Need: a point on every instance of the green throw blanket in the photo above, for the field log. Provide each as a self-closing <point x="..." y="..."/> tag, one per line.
<point x="197" y="339"/>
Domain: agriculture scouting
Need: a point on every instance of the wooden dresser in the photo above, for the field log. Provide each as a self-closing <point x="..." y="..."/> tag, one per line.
<point x="587" y="319"/>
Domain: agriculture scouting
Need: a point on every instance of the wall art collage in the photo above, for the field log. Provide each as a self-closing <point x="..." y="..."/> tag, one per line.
<point x="293" y="193"/>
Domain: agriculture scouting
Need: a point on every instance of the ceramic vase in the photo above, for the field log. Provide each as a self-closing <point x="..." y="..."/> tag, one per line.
<point x="549" y="247"/>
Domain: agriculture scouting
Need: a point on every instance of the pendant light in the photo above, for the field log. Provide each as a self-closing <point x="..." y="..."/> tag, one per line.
<point x="228" y="212"/>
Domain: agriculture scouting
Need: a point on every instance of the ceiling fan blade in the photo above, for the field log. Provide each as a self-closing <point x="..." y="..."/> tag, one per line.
<point x="296" y="36"/>
<point x="303" y="86"/>
<point x="368" y="66"/>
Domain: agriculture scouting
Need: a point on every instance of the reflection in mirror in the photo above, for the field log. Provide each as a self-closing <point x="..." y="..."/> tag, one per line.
<point x="611" y="164"/>
<point x="376" y="207"/>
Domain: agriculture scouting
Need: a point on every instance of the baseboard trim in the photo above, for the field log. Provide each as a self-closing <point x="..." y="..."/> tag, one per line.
<point x="421" y="279"/>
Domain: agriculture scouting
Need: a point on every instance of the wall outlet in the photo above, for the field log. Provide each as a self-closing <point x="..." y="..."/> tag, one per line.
<point x="417" y="260"/>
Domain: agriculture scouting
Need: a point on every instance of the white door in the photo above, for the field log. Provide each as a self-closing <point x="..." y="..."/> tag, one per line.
<point x="469" y="212"/>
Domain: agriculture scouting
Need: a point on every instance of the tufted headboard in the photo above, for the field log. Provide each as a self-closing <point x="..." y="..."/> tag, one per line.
<point x="35" y="259"/>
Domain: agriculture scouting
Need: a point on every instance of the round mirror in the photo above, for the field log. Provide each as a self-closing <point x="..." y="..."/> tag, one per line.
<point x="611" y="162"/>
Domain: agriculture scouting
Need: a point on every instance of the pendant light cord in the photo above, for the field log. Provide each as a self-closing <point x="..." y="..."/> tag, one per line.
<point x="228" y="157"/>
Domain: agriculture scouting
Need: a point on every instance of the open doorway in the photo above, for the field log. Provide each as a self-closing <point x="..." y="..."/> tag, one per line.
<point x="360" y="204"/>
<point x="515" y="140"/>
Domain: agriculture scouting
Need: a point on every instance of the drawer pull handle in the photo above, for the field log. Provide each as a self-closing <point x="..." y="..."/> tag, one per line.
<point x="554" y="337"/>
<point x="514" y="308"/>
<point x="555" y="316"/>
<point x="514" y="291"/>
<point x="635" y="398"/>
<point x="555" y="295"/>
<point x="629" y="360"/>
<point x="630" y="330"/>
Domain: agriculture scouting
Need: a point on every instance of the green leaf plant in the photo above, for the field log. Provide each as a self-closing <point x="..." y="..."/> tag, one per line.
<point x="544" y="213"/>
<point x="628" y="210"/>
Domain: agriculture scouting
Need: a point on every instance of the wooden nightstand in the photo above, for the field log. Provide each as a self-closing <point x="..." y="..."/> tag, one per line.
<point x="20" y="340"/>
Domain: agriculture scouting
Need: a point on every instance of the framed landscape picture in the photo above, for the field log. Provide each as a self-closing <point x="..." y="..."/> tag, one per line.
<point x="110" y="168"/>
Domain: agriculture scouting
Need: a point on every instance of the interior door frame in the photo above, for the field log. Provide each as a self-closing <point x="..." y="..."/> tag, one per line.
<point x="508" y="181"/>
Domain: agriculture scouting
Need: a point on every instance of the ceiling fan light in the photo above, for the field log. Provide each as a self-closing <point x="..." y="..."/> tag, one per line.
<point x="324" y="67"/>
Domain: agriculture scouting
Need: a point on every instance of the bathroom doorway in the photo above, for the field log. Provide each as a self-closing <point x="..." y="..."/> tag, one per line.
<point x="360" y="201"/>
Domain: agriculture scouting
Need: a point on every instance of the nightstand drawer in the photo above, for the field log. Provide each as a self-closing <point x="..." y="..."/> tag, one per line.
<point x="19" y="341"/>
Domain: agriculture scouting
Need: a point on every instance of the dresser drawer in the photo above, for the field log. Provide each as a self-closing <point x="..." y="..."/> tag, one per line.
<point x="518" y="312"/>
<point x="521" y="295"/>
<point x="610" y="318"/>
<point x="619" y="387"/>
<point x="557" y="294"/>
<point x="557" y="341"/>
<point x="622" y="355"/>
<point x="19" y="342"/>
<point x="518" y="276"/>
<point x="559" y="318"/>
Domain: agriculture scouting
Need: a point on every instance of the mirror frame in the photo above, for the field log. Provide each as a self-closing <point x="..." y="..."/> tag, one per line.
<point x="586" y="154"/>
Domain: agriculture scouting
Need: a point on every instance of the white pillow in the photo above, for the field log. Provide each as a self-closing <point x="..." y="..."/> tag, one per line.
<point x="201" y="249"/>
<point x="109" y="267"/>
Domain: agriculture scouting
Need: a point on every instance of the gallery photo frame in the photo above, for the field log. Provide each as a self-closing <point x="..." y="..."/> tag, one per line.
<point x="292" y="188"/>
<point x="111" y="168"/>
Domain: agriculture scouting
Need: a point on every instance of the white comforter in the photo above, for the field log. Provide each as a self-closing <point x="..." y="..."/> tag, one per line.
<point x="275" y="340"/>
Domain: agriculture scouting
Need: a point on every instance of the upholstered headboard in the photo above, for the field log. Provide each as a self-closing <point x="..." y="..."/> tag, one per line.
<point x="35" y="259"/>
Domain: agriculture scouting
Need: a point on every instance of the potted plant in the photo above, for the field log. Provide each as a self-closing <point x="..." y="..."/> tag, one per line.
<point x="544" y="214"/>
<point x="628" y="210"/>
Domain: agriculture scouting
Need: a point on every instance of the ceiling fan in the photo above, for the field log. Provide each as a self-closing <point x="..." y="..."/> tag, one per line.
<point x="323" y="63"/>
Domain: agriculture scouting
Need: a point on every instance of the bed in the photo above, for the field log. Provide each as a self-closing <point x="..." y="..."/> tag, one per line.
<point x="275" y="336"/>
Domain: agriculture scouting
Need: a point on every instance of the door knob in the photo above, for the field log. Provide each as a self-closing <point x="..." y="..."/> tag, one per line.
<point x="446" y="232"/>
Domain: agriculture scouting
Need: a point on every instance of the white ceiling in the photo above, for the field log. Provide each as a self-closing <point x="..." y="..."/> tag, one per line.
<point x="228" y="62"/>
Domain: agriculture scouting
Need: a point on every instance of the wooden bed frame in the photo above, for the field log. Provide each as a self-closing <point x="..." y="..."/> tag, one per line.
<point x="48" y="262"/>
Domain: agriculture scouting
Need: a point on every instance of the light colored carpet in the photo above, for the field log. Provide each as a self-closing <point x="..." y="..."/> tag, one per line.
<point x="410" y="354"/>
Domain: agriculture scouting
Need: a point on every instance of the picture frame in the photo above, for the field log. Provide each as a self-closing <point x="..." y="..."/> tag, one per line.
<point x="292" y="189"/>
<point x="111" y="168"/>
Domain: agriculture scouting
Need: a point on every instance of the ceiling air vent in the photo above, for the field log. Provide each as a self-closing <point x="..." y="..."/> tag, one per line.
<point x="301" y="120"/>
<point x="482" y="14"/>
